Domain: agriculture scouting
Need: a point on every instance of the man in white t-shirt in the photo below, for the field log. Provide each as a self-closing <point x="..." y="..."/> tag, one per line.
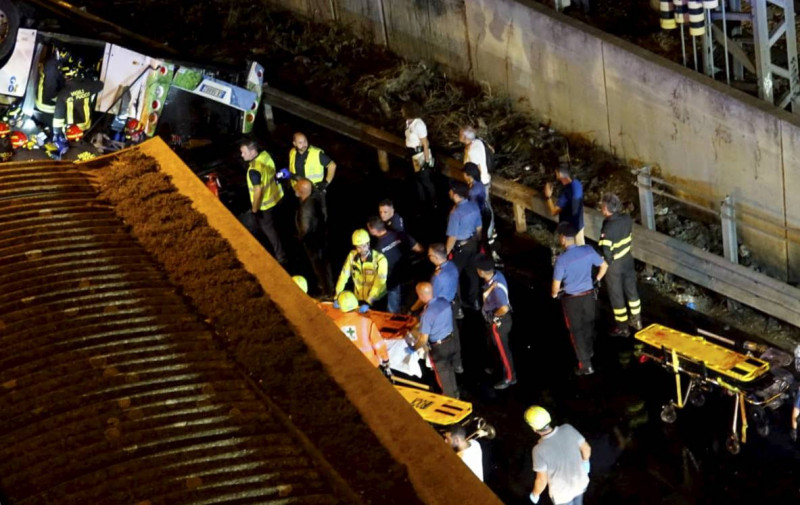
<point x="560" y="459"/>
<point x="419" y="150"/>
<point x="475" y="152"/>
<point x="468" y="450"/>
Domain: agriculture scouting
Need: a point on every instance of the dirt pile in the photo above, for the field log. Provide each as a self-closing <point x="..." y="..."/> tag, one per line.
<point x="249" y="325"/>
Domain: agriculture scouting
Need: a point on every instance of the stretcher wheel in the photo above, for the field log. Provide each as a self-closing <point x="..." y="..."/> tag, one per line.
<point x="490" y="432"/>
<point x="732" y="444"/>
<point x="668" y="414"/>
<point x="697" y="399"/>
<point x="761" y="421"/>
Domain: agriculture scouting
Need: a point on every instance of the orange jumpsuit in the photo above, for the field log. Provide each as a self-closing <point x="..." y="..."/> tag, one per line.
<point x="364" y="334"/>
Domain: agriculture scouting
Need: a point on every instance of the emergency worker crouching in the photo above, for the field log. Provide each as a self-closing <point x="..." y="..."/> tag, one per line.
<point x="75" y="101"/>
<point x="367" y="268"/>
<point x="361" y="331"/>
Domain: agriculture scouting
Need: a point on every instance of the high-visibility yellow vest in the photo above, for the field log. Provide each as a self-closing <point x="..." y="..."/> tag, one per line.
<point x="315" y="172"/>
<point x="273" y="192"/>
<point x="369" y="276"/>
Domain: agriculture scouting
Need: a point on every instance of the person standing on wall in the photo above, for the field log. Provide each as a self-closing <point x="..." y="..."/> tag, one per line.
<point x="615" y="243"/>
<point x="265" y="194"/>
<point x="419" y="150"/>
<point x="573" y="272"/>
<point x="569" y="206"/>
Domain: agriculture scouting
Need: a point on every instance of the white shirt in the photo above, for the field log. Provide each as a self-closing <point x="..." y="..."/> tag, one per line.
<point x="415" y="132"/>
<point x="476" y="153"/>
<point x="472" y="456"/>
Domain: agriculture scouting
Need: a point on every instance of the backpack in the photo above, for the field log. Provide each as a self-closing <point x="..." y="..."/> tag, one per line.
<point x="489" y="150"/>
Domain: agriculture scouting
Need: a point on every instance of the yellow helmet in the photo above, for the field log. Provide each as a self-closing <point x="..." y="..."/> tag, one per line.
<point x="347" y="301"/>
<point x="537" y="417"/>
<point x="301" y="282"/>
<point x="360" y="237"/>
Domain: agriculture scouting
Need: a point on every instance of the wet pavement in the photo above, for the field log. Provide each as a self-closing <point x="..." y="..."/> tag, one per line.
<point x="636" y="457"/>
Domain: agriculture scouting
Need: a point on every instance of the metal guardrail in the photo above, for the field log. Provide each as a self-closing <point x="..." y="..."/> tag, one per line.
<point x="759" y="291"/>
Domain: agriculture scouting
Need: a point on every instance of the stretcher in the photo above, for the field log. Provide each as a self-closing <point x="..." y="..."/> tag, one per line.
<point x="391" y="326"/>
<point x="754" y="382"/>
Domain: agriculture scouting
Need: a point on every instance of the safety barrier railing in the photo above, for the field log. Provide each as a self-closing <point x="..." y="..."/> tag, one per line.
<point x="718" y="274"/>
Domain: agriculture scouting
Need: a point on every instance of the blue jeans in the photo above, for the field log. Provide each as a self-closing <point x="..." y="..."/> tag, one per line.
<point x="578" y="500"/>
<point x="393" y="300"/>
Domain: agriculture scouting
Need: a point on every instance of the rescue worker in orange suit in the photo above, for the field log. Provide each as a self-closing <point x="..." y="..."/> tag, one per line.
<point x="368" y="269"/>
<point x="435" y="331"/>
<point x="497" y="313"/>
<point x="361" y="331"/>
<point x="50" y="81"/>
<point x="265" y="195"/>
<point x="75" y="101"/>
<point x="615" y="244"/>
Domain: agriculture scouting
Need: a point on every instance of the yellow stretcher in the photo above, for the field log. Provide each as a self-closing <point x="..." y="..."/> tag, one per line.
<point x="436" y="409"/>
<point x="708" y="364"/>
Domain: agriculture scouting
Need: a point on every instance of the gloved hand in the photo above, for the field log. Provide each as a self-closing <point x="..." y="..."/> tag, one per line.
<point x="336" y="304"/>
<point x="323" y="185"/>
<point x="587" y="466"/>
<point x="793" y="434"/>
<point x="363" y="308"/>
<point x="282" y="174"/>
<point x="534" y="498"/>
<point x="387" y="372"/>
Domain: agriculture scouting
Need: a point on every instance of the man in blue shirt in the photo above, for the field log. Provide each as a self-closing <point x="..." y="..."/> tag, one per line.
<point x="463" y="235"/>
<point x="397" y="248"/>
<point x="392" y="220"/>
<point x="573" y="273"/>
<point x="436" y="330"/>
<point x="497" y="313"/>
<point x="477" y="195"/>
<point x="569" y="207"/>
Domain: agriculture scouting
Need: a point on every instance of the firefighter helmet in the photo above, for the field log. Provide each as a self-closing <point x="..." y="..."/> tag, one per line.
<point x="4" y="129"/>
<point x="73" y="133"/>
<point x="360" y="237"/>
<point x="537" y="418"/>
<point x="18" y="139"/>
<point x="347" y="301"/>
<point x="301" y="282"/>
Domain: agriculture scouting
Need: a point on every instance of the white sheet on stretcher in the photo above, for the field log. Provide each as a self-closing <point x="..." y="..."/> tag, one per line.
<point x="402" y="362"/>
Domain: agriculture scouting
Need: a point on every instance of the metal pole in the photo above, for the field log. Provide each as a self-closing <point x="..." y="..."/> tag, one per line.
<point x="730" y="243"/>
<point x="683" y="45"/>
<point x="694" y="52"/>
<point x="725" y="42"/>
<point x="645" y="184"/>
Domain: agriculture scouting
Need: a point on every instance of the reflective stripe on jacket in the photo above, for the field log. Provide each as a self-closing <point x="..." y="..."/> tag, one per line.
<point x="369" y="276"/>
<point x="273" y="192"/>
<point x="615" y="237"/>
<point x="315" y="172"/>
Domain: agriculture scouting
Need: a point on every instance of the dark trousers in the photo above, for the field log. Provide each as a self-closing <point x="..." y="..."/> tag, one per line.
<point x="264" y="220"/>
<point x="322" y="269"/>
<point x="426" y="192"/>
<point x="579" y="317"/>
<point x="444" y="357"/>
<point x="456" y="333"/>
<point x="621" y="285"/>
<point x="464" y="259"/>
<point x="498" y="338"/>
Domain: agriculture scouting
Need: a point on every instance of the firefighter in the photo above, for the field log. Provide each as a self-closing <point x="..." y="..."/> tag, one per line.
<point x="369" y="270"/>
<point x="497" y="314"/>
<point x="74" y="101"/>
<point x="361" y="331"/>
<point x="573" y="272"/>
<point x="560" y="459"/>
<point x="463" y="236"/>
<point x="615" y="244"/>
<point x="50" y="82"/>
<point x="265" y="195"/>
<point x="569" y="207"/>
<point x="435" y="331"/>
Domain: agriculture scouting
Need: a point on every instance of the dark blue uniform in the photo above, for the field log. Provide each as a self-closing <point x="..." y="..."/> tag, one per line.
<point x="436" y="321"/>
<point x="445" y="285"/>
<point x="574" y="269"/>
<point x="571" y="204"/>
<point x="495" y="296"/>
<point x="463" y="224"/>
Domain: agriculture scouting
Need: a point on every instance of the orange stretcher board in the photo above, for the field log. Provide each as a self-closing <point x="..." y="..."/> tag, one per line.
<point x="436" y="409"/>
<point x="390" y="325"/>
<point x="721" y="360"/>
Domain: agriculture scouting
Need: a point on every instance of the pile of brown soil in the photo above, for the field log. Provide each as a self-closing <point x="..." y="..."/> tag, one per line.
<point x="249" y="325"/>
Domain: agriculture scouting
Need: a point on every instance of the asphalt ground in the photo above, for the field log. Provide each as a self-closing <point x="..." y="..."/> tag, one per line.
<point x="636" y="457"/>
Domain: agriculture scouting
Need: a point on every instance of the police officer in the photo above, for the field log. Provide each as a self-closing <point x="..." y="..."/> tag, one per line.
<point x="436" y="331"/>
<point x="569" y="206"/>
<point x="615" y="244"/>
<point x="265" y="194"/>
<point x="497" y="314"/>
<point x="573" y="272"/>
<point x="361" y="331"/>
<point x="392" y="220"/>
<point x="397" y="248"/>
<point x="369" y="270"/>
<point x="464" y="229"/>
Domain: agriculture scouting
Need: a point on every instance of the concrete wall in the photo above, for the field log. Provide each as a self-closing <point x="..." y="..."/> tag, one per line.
<point x="702" y="134"/>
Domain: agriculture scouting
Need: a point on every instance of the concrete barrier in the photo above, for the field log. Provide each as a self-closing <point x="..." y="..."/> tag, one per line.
<point x="705" y="135"/>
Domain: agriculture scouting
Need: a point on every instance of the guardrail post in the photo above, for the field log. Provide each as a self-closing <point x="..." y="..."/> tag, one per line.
<point x="645" y="184"/>
<point x="383" y="160"/>
<point x="520" y="223"/>
<point x="269" y="116"/>
<point x="730" y="243"/>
